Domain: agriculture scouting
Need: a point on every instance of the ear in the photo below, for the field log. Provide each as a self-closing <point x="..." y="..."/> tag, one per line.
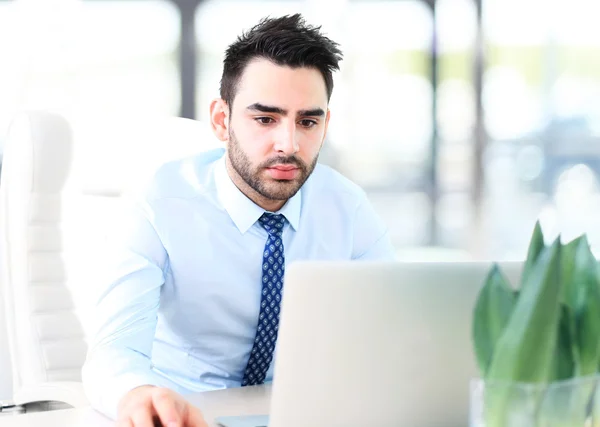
<point x="219" y="119"/>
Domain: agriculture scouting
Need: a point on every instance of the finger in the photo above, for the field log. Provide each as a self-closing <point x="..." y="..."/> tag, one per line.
<point x="142" y="417"/>
<point x="166" y="408"/>
<point x="195" y="418"/>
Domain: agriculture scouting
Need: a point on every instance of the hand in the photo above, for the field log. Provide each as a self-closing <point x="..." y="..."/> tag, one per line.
<point x="145" y="405"/>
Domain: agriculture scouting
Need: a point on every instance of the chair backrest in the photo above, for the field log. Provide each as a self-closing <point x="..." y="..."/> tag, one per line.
<point x="62" y="181"/>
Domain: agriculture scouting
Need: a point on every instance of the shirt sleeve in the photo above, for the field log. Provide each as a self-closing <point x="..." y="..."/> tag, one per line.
<point x="125" y="313"/>
<point x="371" y="236"/>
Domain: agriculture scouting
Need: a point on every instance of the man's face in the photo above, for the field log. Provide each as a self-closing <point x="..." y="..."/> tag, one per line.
<point x="277" y="127"/>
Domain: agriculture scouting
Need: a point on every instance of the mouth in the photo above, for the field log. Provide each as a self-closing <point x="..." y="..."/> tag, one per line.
<point x="283" y="172"/>
<point x="284" y="167"/>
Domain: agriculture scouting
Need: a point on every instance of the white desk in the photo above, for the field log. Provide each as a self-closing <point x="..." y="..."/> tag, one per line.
<point x="234" y="401"/>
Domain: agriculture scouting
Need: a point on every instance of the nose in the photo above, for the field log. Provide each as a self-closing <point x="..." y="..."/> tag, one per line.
<point x="287" y="140"/>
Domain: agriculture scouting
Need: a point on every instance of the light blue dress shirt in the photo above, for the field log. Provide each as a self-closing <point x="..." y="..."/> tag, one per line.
<point x="180" y="298"/>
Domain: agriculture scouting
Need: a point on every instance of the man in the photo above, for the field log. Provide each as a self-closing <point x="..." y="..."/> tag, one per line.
<point x="193" y="301"/>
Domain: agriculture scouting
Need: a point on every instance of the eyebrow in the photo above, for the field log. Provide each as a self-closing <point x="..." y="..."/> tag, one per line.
<point x="314" y="112"/>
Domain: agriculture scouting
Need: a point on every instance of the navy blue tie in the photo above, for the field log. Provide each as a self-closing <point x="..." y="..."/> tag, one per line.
<point x="272" y="284"/>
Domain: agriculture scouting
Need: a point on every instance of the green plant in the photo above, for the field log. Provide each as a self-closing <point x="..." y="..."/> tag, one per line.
<point x="546" y="330"/>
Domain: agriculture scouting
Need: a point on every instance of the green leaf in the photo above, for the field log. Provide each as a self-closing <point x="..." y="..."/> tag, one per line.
<point x="587" y="315"/>
<point x="581" y="293"/>
<point x="584" y="267"/>
<point x="569" y="270"/>
<point x="492" y="311"/>
<point x="588" y="332"/>
<point x="536" y="246"/>
<point x="564" y="359"/>
<point x="525" y="350"/>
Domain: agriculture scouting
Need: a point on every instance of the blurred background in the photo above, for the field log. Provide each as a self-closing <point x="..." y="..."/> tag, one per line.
<point x="464" y="120"/>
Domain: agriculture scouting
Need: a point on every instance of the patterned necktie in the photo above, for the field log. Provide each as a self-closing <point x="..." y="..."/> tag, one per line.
<point x="268" y="319"/>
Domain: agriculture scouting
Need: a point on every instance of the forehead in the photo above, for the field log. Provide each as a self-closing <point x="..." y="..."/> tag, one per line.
<point x="281" y="86"/>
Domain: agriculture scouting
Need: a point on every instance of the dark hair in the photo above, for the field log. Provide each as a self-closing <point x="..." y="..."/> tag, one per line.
<point x="287" y="40"/>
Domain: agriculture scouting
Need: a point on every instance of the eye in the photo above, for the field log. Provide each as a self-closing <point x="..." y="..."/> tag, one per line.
<point x="308" y="123"/>
<point x="264" y="120"/>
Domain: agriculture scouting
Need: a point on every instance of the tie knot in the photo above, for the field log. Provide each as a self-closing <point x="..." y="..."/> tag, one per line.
<point x="273" y="223"/>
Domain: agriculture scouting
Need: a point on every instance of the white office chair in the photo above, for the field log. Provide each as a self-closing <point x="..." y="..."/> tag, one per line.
<point x="61" y="183"/>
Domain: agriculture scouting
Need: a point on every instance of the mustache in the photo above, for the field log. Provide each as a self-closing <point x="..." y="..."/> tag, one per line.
<point x="288" y="160"/>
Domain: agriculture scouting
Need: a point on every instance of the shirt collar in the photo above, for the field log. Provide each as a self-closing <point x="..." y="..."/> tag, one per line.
<point x="243" y="211"/>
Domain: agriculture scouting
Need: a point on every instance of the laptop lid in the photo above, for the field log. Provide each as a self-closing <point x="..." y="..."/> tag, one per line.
<point x="377" y="343"/>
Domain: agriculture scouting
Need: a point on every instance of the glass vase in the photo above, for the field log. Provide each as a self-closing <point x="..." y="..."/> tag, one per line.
<point x="569" y="403"/>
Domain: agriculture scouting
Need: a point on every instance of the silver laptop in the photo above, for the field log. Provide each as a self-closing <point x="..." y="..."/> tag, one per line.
<point x="375" y="344"/>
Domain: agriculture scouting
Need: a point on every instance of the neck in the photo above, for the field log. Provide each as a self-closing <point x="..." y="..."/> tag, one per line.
<point x="267" y="204"/>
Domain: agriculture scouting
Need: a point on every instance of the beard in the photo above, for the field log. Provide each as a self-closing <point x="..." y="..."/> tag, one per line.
<point x="269" y="188"/>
